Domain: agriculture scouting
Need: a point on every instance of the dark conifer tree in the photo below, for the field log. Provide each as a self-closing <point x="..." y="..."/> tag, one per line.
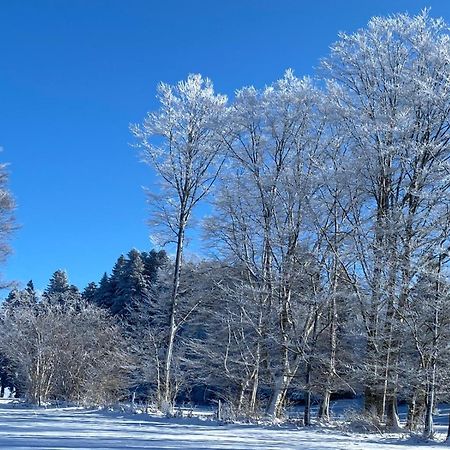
<point x="90" y="292"/>
<point x="104" y="293"/>
<point x="13" y="299"/>
<point x="136" y="285"/>
<point x="153" y="261"/>
<point x="117" y="284"/>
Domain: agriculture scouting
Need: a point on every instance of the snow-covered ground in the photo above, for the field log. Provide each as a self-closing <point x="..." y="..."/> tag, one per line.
<point x="74" y="428"/>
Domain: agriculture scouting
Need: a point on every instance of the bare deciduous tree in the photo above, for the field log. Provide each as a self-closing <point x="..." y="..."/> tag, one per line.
<point x="182" y="142"/>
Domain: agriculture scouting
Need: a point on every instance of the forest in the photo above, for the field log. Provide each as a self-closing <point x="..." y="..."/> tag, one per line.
<point x="322" y="205"/>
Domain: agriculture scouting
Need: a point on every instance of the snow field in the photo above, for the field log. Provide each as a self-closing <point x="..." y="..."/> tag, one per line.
<point x="75" y="428"/>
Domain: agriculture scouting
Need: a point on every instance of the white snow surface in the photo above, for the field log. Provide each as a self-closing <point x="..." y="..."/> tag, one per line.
<point x="76" y="428"/>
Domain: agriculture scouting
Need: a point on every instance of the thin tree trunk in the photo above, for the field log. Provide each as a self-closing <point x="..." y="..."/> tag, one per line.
<point x="307" y="412"/>
<point x="168" y="394"/>
<point x="243" y="388"/>
<point x="431" y="385"/>
<point x="428" y="431"/>
<point x="374" y="396"/>
<point x="255" y="386"/>
<point x="324" y="410"/>
<point x="413" y="413"/>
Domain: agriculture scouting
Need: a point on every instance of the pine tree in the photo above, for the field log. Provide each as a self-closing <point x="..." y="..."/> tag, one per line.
<point x="24" y="297"/>
<point x="118" y="284"/>
<point x="13" y="300"/>
<point x="58" y="283"/>
<point x="59" y="291"/>
<point x="30" y="294"/>
<point x="104" y="293"/>
<point x="153" y="261"/>
<point x="137" y="285"/>
<point x="90" y="292"/>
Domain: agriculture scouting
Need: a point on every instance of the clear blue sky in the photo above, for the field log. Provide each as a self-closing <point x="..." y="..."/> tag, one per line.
<point x="75" y="73"/>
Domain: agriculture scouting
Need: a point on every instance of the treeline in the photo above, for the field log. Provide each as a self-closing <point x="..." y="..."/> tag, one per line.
<point x="131" y="280"/>
<point x="328" y="238"/>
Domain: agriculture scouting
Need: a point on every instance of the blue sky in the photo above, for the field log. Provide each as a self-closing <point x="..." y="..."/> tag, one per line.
<point x="74" y="74"/>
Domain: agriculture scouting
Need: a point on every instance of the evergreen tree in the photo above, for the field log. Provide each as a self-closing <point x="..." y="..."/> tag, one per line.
<point x="138" y="283"/>
<point x="153" y="261"/>
<point x="29" y="294"/>
<point x="90" y="292"/>
<point x="24" y="297"/>
<point x="13" y="299"/>
<point x="58" y="283"/>
<point x="59" y="291"/>
<point x="117" y="284"/>
<point x="133" y="286"/>
<point x="104" y="293"/>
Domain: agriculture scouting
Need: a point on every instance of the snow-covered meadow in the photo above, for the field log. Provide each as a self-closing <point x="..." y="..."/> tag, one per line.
<point x="77" y="428"/>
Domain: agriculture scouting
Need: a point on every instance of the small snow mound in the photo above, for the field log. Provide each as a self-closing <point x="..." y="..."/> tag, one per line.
<point x="361" y="422"/>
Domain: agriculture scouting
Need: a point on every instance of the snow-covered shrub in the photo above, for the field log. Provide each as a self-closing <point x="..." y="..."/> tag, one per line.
<point x="167" y="408"/>
<point x="66" y="350"/>
<point x="362" y="422"/>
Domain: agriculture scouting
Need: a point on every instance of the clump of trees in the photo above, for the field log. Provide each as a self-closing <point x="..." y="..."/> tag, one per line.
<point x="60" y="347"/>
<point x="331" y="201"/>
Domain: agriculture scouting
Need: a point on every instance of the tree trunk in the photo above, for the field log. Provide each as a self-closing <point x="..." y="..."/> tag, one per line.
<point x="373" y="401"/>
<point x="324" y="410"/>
<point x="274" y="406"/>
<point x="254" y="394"/>
<point x="307" y="412"/>
<point x="392" y="419"/>
<point x="416" y="407"/>
<point x="428" y="431"/>
<point x="242" y="390"/>
<point x="168" y="394"/>
<point x="431" y="384"/>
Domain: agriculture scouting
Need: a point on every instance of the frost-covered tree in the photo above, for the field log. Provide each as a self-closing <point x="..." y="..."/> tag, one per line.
<point x="20" y="297"/>
<point x="388" y="88"/>
<point x="130" y="282"/>
<point x="104" y="295"/>
<point x="16" y="301"/>
<point x="7" y="220"/>
<point x="182" y="142"/>
<point x="90" y="292"/>
<point x="153" y="262"/>
<point x="148" y="324"/>
<point x="62" y="347"/>
<point x="136" y="286"/>
<point x="59" y="291"/>
<point x="262" y="216"/>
